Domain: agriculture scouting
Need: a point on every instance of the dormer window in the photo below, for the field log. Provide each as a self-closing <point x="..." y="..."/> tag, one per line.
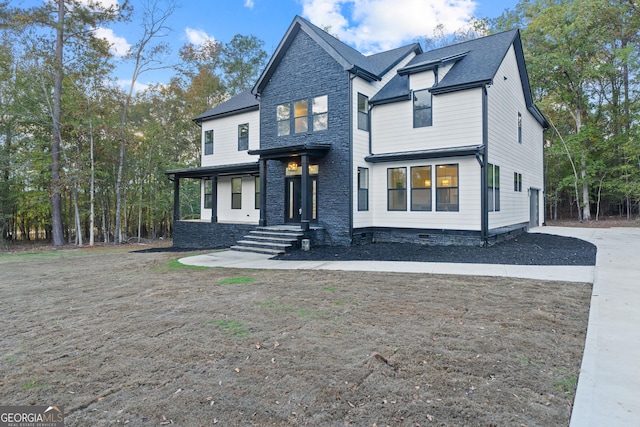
<point x="422" y="112"/>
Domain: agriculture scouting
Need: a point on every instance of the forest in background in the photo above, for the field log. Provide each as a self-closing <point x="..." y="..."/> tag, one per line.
<point x="83" y="160"/>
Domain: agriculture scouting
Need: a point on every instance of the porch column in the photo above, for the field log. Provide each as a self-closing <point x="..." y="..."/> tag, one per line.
<point x="214" y="198"/>
<point x="176" y="198"/>
<point x="304" y="221"/>
<point x="263" y="193"/>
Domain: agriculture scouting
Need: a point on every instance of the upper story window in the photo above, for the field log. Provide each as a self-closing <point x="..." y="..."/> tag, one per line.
<point x="363" y="112"/>
<point x="447" y="188"/>
<point x="243" y="137"/>
<point x="308" y="115"/>
<point x="320" y="110"/>
<point x="301" y="112"/>
<point x="283" y="116"/>
<point x="422" y="111"/>
<point x="208" y="142"/>
<point x="519" y="127"/>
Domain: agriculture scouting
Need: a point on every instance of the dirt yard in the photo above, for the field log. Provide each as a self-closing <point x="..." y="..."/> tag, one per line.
<point x="123" y="338"/>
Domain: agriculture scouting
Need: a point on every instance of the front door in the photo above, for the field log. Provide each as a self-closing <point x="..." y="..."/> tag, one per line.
<point x="293" y="202"/>
<point x="293" y="205"/>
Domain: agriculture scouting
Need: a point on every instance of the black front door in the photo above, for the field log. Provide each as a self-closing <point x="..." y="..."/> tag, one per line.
<point x="293" y="202"/>
<point x="293" y="205"/>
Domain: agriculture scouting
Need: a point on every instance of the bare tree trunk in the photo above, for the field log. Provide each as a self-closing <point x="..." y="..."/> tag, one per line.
<point x="56" y="143"/>
<point x="586" y="206"/>
<point x="92" y="191"/>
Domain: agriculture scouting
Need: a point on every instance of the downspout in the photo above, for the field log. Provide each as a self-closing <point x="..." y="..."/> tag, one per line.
<point x="484" y="226"/>
<point x="369" y="127"/>
<point x="351" y="77"/>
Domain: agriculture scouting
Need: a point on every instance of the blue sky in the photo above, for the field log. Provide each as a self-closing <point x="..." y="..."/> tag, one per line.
<point x="368" y="25"/>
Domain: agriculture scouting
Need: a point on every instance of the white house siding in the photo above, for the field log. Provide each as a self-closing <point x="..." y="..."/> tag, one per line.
<point x="225" y="139"/>
<point x="423" y="80"/>
<point x="506" y="99"/>
<point x="467" y="218"/>
<point x="457" y="121"/>
<point x="361" y="138"/>
<point x="248" y="214"/>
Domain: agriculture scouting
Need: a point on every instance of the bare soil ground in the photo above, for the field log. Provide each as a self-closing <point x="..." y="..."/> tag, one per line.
<point x="124" y="338"/>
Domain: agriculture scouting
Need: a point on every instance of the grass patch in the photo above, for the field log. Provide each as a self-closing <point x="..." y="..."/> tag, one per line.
<point x="330" y="288"/>
<point x="567" y="382"/>
<point x="175" y="264"/>
<point x="30" y="385"/>
<point x="267" y="304"/>
<point x="233" y="327"/>
<point x="236" y="280"/>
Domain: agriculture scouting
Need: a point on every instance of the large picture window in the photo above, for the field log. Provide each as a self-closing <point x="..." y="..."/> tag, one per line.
<point x="422" y="111"/>
<point x="493" y="182"/>
<point x="421" y="188"/>
<point x="363" y="189"/>
<point x="301" y="116"/>
<point x="397" y="189"/>
<point x="320" y="109"/>
<point x="447" y="197"/>
<point x="208" y="142"/>
<point x="236" y="193"/>
<point x="283" y="117"/>
<point x="243" y="137"/>
<point x="363" y="112"/>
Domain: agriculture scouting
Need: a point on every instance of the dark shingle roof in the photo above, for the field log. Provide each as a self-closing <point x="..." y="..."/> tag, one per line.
<point x="240" y="103"/>
<point x="371" y="67"/>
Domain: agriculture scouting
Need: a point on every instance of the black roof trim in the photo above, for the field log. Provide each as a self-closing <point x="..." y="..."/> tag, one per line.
<point x="314" y="150"/>
<point x="399" y="98"/>
<point x="470" y="150"/>
<point x="448" y="89"/>
<point x="207" y="171"/>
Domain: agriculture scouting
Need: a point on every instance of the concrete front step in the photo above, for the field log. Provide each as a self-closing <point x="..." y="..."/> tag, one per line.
<point x="269" y="240"/>
<point x="256" y="250"/>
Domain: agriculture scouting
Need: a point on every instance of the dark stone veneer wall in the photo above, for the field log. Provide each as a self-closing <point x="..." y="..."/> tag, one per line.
<point x="207" y="235"/>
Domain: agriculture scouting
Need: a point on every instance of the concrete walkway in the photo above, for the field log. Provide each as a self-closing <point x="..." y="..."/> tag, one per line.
<point x="609" y="386"/>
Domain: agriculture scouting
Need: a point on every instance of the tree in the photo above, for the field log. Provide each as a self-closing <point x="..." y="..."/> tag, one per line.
<point x="242" y="61"/>
<point x="71" y="23"/>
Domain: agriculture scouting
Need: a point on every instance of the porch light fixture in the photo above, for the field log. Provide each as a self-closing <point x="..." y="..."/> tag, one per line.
<point x="292" y="166"/>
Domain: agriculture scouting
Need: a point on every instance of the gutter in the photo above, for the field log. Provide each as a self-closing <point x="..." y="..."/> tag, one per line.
<point x="484" y="192"/>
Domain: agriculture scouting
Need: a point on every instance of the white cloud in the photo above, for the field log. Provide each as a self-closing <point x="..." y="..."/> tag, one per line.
<point x="248" y="3"/>
<point x="138" y="87"/>
<point x="375" y="25"/>
<point x="197" y="37"/>
<point x="118" y="45"/>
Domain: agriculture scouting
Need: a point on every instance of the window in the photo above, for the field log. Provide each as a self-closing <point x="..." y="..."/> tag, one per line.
<point x="422" y="116"/>
<point x="519" y="128"/>
<point x="301" y="116"/>
<point x="243" y="137"/>
<point x="493" y="182"/>
<point x="208" y="142"/>
<point x="421" y="188"/>
<point x="363" y="189"/>
<point x="447" y="188"/>
<point x="517" y="182"/>
<point x="283" y="116"/>
<point x="257" y="192"/>
<point x="397" y="189"/>
<point x="208" y="193"/>
<point x="236" y="193"/>
<point x="363" y="112"/>
<point x="320" y="109"/>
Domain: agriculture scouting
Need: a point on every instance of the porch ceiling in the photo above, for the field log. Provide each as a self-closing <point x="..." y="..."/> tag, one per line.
<point x="312" y="150"/>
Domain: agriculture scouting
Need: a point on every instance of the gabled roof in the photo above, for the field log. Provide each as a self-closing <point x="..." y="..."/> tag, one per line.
<point x="371" y="67"/>
<point x="241" y="103"/>
<point x="476" y="63"/>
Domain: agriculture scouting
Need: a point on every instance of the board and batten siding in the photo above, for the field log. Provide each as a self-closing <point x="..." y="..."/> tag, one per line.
<point x="360" y="138"/>
<point x="505" y="100"/>
<point x="225" y="139"/>
<point x="248" y="214"/>
<point x="457" y="121"/>
<point x="467" y="218"/>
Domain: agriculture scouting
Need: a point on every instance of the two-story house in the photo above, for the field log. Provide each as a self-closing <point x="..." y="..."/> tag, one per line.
<point x="444" y="146"/>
